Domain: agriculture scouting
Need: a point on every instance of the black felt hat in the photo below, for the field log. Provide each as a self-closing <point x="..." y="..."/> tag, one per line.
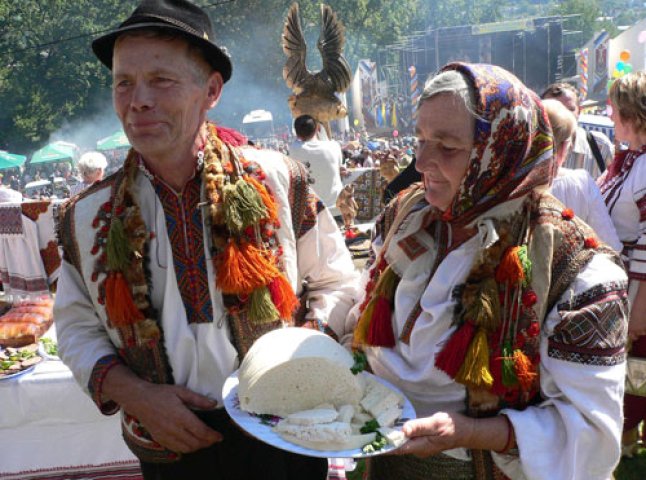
<point x="177" y="16"/>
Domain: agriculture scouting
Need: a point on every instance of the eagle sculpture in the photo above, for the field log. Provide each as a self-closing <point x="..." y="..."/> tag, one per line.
<point x="314" y="92"/>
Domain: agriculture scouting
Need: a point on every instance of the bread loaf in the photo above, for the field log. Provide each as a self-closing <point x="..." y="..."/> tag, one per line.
<point x="293" y="369"/>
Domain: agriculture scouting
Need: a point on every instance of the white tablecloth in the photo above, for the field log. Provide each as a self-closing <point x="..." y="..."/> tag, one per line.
<point x="47" y="422"/>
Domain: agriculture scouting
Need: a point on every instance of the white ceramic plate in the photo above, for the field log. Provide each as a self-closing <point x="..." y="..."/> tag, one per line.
<point x="18" y="373"/>
<point x="261" y="427"/>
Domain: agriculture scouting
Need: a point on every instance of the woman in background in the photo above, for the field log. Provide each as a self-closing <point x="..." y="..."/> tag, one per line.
<point x="623" y="187"/>
<point x="576" y="189"/>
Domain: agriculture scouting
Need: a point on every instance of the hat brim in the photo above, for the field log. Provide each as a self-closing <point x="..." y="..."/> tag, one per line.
<point x="103" y="47"/>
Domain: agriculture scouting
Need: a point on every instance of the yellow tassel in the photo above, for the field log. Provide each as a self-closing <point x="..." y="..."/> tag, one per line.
<point x="524" y="370"/>
<point x="360" y="336"/>
<point x="475" y="369"/>
<point x="484" y="311"/>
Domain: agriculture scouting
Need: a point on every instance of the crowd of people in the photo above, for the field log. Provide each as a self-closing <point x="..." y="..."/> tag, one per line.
<point x="504" y="293"/>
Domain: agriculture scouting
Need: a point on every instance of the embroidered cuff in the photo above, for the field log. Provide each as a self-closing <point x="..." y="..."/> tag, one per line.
<point x="95" y="385"/>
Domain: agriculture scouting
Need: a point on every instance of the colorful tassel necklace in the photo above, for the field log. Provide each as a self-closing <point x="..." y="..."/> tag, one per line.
<point x="242" y="218"/>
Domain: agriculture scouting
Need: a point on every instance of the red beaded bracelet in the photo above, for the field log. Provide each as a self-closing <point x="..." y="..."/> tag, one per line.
<point x="510" y="437"/>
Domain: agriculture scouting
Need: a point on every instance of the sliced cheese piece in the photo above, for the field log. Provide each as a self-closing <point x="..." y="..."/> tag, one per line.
<point x="346" y="412"/>
<point x="353" y="442"/>
<point x="335" y="432"/>
<point x="312" y="417"/>
<point x="394" y="437"/>
<point x="388" y="417"/>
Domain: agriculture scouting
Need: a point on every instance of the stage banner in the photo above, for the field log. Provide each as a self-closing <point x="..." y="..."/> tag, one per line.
<point x="369" y="97"/>
<point x="600" y="77"/>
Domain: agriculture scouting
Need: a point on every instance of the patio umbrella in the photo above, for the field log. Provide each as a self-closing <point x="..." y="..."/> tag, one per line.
<point x="54" y="152"/>
<point x="113" y="142"/>
<point x="11" y="160"/>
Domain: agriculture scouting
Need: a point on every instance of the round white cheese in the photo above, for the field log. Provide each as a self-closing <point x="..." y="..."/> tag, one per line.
<point x="293" y="369"/>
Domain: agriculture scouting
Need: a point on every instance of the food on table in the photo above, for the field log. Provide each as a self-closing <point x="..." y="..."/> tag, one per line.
<point x="15" y="360"/>
<point x="49" y="346"/>
<point x="307" y="378"/>
<point x="26" y="321"/>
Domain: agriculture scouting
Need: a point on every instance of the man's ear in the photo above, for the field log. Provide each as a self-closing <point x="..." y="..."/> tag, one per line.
<point x="215" y="84"/>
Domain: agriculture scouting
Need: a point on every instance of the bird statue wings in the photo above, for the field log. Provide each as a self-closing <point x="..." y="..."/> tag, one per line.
<point x="315" y="92"/>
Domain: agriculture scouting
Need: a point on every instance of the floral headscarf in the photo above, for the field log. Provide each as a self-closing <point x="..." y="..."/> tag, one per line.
<point x="513" y="145"/>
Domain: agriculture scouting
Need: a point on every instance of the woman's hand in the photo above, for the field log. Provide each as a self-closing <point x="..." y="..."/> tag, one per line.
<point x="447" y="430"/>
<point x="442" y="431"/>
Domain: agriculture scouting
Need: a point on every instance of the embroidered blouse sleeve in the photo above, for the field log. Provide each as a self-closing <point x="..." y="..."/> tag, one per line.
<point x="84" y="345"/>
<point x="575" y="431"/>
<point x="637" y="265"/>
<point x="598" y="217"/>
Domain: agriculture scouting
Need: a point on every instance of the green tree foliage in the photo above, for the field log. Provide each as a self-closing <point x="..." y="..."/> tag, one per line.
<point x="44" y="83"/>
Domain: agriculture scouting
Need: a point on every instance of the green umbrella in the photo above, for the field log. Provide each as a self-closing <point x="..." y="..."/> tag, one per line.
<point x="11" y="160"/>
<point x="113" y="142"/>
<point x="54" y="152"/>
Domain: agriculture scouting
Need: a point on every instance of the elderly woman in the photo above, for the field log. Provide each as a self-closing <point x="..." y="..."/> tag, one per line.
<point x="91" y="166"/>
<point x="576" y="189"/>
<point x="493" y="308"/>
<point x="624" y="189"/>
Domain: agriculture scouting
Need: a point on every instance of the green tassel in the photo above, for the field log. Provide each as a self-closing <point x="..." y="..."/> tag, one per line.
<point x="387" y="284"/>
<point x="526" y="264"/>
<point x="252" y="208"/>
<point x="117" y="247"/>
<point x="485" y="310"/>
<point x="231" y="208"/>
<point x="509" y="378"/>
<point x="261" y="309"/>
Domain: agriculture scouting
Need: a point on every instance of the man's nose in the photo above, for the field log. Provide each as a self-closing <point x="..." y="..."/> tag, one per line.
<point x="141" y="98"/>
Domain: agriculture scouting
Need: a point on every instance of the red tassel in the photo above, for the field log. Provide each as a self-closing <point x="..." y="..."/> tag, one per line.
<point x="380" y="332"/>
<point x="119" y="305"/>
<point x="451" y="358"/>
<point x="283" y="297"/>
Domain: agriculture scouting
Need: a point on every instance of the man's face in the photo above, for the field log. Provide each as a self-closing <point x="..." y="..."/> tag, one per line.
<point x="568" y="99"/>
<point x="159" y="95"/>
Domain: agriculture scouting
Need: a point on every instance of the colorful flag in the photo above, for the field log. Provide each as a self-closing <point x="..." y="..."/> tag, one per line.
<point x="583" y="79"/>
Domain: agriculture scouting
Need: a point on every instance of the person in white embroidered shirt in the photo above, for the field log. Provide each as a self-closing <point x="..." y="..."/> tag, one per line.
<point x="174" y="265"/>
<point x="323" y="158"/>
<point x="624" y="190"/>
<point x="583" y="153"/>
<point x="576" y="188"/>
<point x="495" y="310"/>
<point x="92" y="167"/>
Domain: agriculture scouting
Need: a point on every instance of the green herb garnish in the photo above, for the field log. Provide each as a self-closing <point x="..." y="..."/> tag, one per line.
<point x="370" y="426"/>
<point x="377" y="444"/>
<point x="360" y="362"/>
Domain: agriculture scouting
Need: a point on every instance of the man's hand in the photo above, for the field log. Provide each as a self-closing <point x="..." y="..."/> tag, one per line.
<point x="164" y="410"/>
<point x="432" y="435"/>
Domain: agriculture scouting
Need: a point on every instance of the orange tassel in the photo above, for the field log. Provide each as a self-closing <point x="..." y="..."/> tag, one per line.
<point x="510" y="268"/>
<point x="119" y="305"/>
<point x="242" y="269"/>
<point x="380" y="331"/>
<point x="267" y="200"/>
<point x="451" y="358"/>
<point x="283" y="297"/>
<point x="524" y="370"/>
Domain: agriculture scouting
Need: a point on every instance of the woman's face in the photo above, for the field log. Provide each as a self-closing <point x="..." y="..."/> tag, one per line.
<point x="624" y="130"/>
<point x="445" y="131"/>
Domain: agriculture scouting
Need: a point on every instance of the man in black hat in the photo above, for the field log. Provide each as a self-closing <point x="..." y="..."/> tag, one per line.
<point x="175" y="264"/>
